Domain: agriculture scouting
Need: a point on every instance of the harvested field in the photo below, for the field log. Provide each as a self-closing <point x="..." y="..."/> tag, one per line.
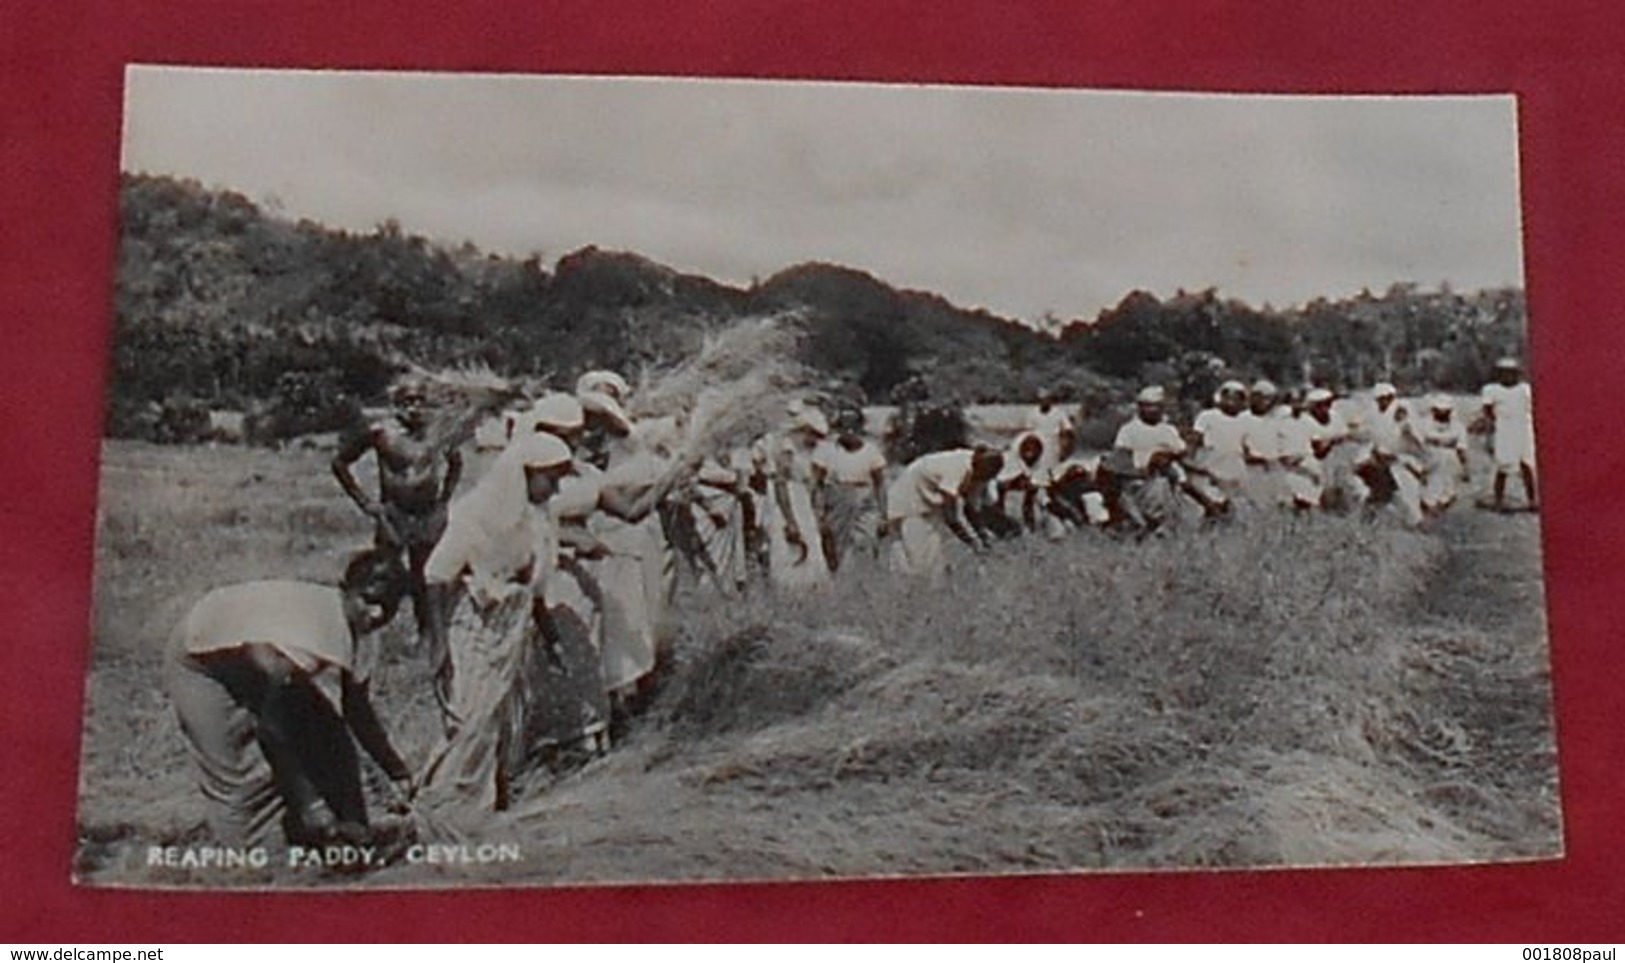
<point x="1289" y="692"/>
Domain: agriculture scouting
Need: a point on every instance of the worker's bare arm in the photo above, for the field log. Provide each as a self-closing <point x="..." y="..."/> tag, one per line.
<point x="355" y="448"/>
<point x="454" y="474"/>
<point x="362" y="717"/>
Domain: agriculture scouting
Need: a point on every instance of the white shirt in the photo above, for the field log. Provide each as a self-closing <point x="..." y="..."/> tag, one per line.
<point x="843" y="467"/>
<point x="928" y="484"/>
<point x="1333" y="428"/>
<point x="1050" y="423"/>
<point x="1442" y="439"/>
<point x="1295" y="435"/>
<point x="1511" y="405"/>
<point x="301" y="620"/>
<point x="1383" y="429"/>
<point x="1222" y="437"/>
<point x="1260" y="435"/>
<point x="1144" y="440"/>
<point x="577" y="497"/>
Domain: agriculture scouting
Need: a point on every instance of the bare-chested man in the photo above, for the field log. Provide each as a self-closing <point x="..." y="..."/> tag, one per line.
<point x="415" y="483"/>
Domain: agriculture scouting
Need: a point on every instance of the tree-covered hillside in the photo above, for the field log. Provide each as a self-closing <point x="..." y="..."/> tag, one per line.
<point x="222" y="305"/>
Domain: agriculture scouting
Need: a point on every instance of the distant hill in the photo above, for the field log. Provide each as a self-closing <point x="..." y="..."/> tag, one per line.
<point x="220" y="305"/>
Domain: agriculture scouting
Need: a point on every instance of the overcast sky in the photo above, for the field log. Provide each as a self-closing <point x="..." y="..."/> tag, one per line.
<point x="1017" y="200"/>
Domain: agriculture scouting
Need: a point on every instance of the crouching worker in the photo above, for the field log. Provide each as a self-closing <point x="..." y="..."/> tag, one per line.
<point x="274" y="664"/>
<point x="931" y="492"/>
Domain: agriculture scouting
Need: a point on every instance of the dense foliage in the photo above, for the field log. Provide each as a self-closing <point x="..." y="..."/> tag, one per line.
<point x="221" y="305"/>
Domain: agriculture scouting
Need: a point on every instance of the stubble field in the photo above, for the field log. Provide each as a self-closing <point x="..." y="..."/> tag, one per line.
<point x="1287" y="692"/>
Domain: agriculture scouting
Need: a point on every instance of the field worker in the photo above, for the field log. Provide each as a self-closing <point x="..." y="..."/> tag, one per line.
<point x="1336" y="434"/>
<point x="1219" y="435"/>
<point x="570" y="710"/>
<point x="1052" y="423"/>
<point x="754" y="493"/>
<point x="611" y="568"/>
<point x="1444" y="441"/>
<point x="1508" y="409"/>
<point x="1385" y="418"/>
<point x="638" y="573"/>
<point x="494" y="563"/>
<point x="1300" y="470"/>
<point x="609" y="427"/>
<point x="1153" y="449"/>
<point x="1328" y="429"/>
<point x="1261" y="445"/>
<point x="416" y="480"/>
<point x="718" y="504"/>
<point x="1150" y="442"/>
<point x="796" y="538"/>
<point x="1372" y="425"/>
<point x="1392" y="467"/>
<point x="277" y="664"/>
<point x="1080" y="493"/>
<point x="1021" y="484"/>
<point x="931" y="493"/>
<point x="849" y="490"/>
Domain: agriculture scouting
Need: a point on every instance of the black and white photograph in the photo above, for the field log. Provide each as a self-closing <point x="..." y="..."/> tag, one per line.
<point x="558" y="480"/>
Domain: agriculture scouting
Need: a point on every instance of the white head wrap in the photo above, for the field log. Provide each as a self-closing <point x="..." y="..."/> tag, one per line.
<point x="604" y="382"/>
<point x="556" y="412"/>
<point x="604" y="405"/>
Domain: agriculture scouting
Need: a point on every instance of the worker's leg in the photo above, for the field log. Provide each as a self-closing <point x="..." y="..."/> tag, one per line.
<point x="1408" y="495"/>
<point x="242" y="799"/>
<point x="326" y="753"/>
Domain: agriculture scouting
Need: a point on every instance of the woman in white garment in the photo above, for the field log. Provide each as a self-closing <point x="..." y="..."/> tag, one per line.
<point x="632" y="571"/>
<point x="571" y="709"/>
<point x="719" y="508"/>
<point x="849" y="492"/>
<point x="489" y="573"/>
<point x="1444" y="443"/>
<point x="1020" y="489"/>
<point x="796" y="556"/>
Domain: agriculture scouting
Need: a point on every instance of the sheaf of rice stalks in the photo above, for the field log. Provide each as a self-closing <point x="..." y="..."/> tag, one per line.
<point x="734" y="390"/>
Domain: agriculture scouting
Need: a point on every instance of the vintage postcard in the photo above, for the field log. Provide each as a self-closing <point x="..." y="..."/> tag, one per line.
<point x="516" y="481"/>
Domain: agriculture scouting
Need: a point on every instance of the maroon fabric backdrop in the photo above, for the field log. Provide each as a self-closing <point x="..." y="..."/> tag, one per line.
<point x="60" y="87"/>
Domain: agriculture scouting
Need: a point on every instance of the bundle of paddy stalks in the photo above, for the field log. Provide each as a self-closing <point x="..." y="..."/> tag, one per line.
<point x="731" y="392"/>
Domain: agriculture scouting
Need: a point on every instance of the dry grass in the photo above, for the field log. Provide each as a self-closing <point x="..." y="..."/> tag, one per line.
<point x="1295" y="692"/>
<point x="1219" y="698"/>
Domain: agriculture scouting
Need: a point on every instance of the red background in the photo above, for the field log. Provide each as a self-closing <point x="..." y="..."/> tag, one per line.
<point x="60" y="87"/>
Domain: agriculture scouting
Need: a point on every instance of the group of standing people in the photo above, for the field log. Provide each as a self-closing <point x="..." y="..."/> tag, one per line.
<point x="539" y="590"/>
